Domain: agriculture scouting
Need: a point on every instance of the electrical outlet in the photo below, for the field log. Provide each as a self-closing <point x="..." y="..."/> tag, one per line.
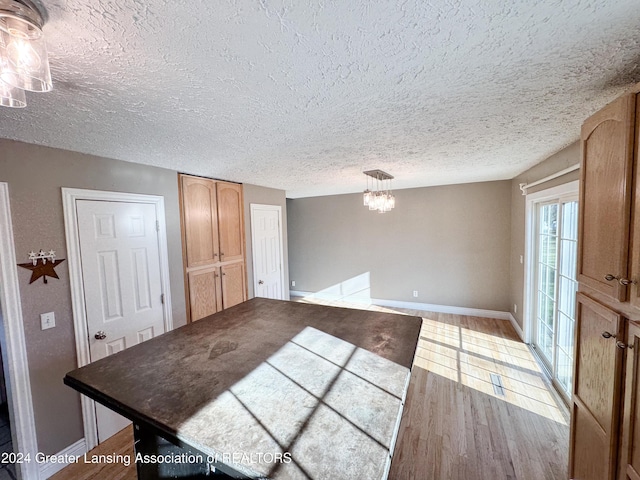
<point x="47" y="320"/>
<point x="415" y="293"/>
<point x="293" y="283"/>
<point x="515" y="308"/>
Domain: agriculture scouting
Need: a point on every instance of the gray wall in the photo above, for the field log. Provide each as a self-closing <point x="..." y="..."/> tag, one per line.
<point x="264" y="196"/>
<point x="450" y="243"/>
<point x="561" y="160"/>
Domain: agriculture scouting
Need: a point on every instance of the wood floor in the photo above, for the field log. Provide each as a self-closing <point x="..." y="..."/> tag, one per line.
<point x="120" y="444"/>
<point x="458" y="425"/>
<point x="478" y="408"/>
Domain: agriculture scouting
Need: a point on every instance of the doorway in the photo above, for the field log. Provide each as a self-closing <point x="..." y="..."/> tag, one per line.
<point x="267" y="241"/>
<point x="12" y="344"/>
<point x="118" y="265"/>
<point x="553" y="284"/>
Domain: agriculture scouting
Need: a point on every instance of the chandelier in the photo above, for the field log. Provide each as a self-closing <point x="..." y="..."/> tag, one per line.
<point x="379" y="197"/>
<point x="23" y="53"/>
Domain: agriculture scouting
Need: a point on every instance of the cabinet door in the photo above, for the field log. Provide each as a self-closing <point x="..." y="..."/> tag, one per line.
<point x="630" y="450"/>
<point x="204" y="293"/>
<point x="200" y="220"/>
<point x="233" y="284"/>
<point x="230" y="221"/>
<point x="605" y="197"/>
<point x="634" y="273"/>
<point x="596" y="392"/>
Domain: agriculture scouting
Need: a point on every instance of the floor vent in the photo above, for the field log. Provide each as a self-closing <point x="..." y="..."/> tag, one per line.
<point x="498" y="388"/>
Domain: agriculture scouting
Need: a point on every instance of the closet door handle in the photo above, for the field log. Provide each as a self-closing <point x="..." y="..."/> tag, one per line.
<point x="609" y="277"/>
<point x="607" y="335"/>
<point x="623" y="345"/>
<point x="625" y="282"/>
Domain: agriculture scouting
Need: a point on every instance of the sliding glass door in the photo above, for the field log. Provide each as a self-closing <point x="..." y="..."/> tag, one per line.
<point x="556" y="232"/>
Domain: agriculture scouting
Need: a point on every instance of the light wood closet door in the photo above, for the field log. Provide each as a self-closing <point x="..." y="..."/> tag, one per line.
<point x="204" y="292"/>
<point x="200" y="222"/>
<point x="230" y="222"/>
<point x="233" y="284"/>
<point x="607" y="159"/>
<point x="597" y="383"/>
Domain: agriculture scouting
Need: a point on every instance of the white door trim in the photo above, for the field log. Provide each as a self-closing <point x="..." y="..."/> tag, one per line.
<point x="14" y="349"/>
<point x="529" y="250"/>
<point x="69" y="197"/>
<point x="278" y="208"/>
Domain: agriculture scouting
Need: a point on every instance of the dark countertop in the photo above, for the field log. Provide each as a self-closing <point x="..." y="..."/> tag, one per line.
<point x="186" y="382"/>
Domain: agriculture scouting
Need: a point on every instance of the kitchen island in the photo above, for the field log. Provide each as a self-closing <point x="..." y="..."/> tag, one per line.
<point x="266" y="389"/>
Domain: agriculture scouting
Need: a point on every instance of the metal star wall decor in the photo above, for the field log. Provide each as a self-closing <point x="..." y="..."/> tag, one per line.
<point x="42" y="265"/>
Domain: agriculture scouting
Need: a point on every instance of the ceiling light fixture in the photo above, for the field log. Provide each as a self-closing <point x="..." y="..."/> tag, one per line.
<point x="380" y="196"/>
<point x="23" y="53"/>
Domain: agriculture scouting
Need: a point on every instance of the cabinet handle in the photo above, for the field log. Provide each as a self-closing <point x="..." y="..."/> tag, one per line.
<point x="607" y="335"/>
<point x="221" y="254"/>
<point x="625" y="281"/>
<point x="609" y="277"/>
<point x="215" y="254"/>
<point x="623" y="345"/>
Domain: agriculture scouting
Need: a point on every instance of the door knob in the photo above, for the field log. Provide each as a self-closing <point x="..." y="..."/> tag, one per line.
<point x="260" y="282"/>
<point x="609" y="277"/>
<point x="100" y="335"/>
<point x="626" y="281"/>
<point x="623" y="345"/>
<point x="607" y="335"/>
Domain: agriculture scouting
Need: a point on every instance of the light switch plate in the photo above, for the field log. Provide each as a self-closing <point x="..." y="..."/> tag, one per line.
<point x="47" y="320"/>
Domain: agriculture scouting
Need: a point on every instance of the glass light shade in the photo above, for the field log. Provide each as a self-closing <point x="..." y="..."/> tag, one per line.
<point x="367" y="197"/>
<point x="379" y="198"/>
<point x="11" y="96"/>
<point x="387" y="203"/>
<point x="23" y="54"/>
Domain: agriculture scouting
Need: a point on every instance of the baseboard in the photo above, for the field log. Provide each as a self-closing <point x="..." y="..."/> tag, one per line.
<point x="516" y="326"/>
<point x="430" y="307"/>
<point x="72" y="451"/>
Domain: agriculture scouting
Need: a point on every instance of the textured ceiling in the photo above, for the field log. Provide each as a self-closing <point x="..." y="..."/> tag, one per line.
<point x="305" y="95"/>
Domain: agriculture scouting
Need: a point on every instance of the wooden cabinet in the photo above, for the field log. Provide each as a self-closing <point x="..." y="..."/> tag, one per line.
<point x="630" y="448"/>
<point x="596" y="391"/>
<point x="204" y="292"/>
<point x="200" y="221"/>
<point x="605" y="198"/>
<point x="603" y="435"/>
<point x="212" y="219"/>
<point x="230" y="221"/>
<point x="233" y="284"/>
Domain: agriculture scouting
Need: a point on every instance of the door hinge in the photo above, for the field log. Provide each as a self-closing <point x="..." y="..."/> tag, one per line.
<point x="162" y="299"/>
<point x="157" y="225"/>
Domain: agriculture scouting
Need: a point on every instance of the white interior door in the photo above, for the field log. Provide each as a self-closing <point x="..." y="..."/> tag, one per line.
<point x="121" y="276"/>
<point x="266" y="234"/>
